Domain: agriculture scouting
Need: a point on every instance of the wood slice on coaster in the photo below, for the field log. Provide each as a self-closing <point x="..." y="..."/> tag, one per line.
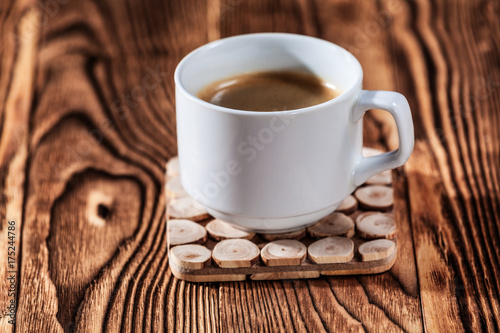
<point x="381" y="178"/>
<point x="375" y="197"/>
<point x="185" y="232"/>
<point x="348" y="206"/>
<point x="192" y="256"/>
<point x="173" y="167"/>
<point x="285" y="252"/>
<point x="376" y="249"/>
<point x="298" y="235"/>
<point x="220" y="230"/>
<point x="232" y="253"/>
<point x="174" y="188"/>
<point x="186" y="208"/>
<point x="335" y="224"/>
<point x="331" y="250"/>
<point x="372" y="225"/>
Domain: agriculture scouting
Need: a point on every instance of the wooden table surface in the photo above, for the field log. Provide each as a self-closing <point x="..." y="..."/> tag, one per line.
<point x="87" y="123"/>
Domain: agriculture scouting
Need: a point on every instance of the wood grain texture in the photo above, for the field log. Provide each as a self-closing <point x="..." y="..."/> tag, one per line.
<point x="453" y="187"/>
<point x="87" y="123"/>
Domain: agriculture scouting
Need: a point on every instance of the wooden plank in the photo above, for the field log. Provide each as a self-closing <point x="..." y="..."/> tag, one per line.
<point x="91" y="145"/>
<point x="18" y="39"/>
<point x="455" y="219"/>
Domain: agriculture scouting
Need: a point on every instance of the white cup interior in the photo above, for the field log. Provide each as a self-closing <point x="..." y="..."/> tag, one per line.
<point x="268" y="51"/>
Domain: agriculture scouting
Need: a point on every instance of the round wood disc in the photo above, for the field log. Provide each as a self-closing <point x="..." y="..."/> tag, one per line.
<point x="231" y="253"/>
<point x="220" y="230"/>
<point x="186" y="208"/>
<point x="331" y="250"/>
<point x="375" y="197"/>
<point x="285" y="252"/>
<point x="372" y="225"/>
<point x="173" y="167"/>
<point x="174" y="188"/>
<point x="192" y="256"/>
<point x="382" y="178"/>
<point x="335" y="224"/>
<point x="298" y="235"/>
<point x="348" y="206"/>
<point x="185" y="232"/>
<point x="376" y="249"/>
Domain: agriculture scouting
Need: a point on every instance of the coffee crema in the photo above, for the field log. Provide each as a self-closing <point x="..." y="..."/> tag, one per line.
<point x="269" y="91"/>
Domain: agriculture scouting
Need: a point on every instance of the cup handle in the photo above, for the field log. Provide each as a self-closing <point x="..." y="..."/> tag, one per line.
<point x="397" y="105"/>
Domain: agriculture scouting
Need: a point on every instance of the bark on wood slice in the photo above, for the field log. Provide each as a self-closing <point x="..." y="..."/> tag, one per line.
<point x="376" y="249"/>
<point x="371" y="225"/>
<point x="331" y="250"/>
<point x="375" y="197"/>
<point x="174" y="188"/>
<point x="192" y="256"/>
<point x="232" y="253"/>
<point x="348" y="206"/>
<point x="285" y="252"/>
<point x="186" y="208"/>
<point x="298" y="235"/>
<point x="173" y="167"/>
<point x="382" y="178"/>
<point x="335" y="224"/>
<point x="220" y="230"/>
<point x="185" y="232"/>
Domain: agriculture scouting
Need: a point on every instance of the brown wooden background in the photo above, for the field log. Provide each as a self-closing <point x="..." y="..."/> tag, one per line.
<point x="84" y="142"/>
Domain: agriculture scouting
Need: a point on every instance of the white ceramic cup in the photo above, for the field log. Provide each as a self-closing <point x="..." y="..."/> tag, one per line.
<point x="275" y="172"/>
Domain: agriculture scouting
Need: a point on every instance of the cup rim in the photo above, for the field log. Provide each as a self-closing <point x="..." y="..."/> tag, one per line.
<point x="342" y="97"/>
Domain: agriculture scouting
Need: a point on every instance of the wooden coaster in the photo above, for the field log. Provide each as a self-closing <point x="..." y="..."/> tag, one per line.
<point x="230" y="254"/>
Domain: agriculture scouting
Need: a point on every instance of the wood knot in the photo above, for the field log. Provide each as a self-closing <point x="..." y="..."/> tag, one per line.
<point x="102" y="211"/>
<point x="99" y="207"/>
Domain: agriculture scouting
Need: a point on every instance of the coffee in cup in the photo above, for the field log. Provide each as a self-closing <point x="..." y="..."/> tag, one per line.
<point x="269" y="91"/>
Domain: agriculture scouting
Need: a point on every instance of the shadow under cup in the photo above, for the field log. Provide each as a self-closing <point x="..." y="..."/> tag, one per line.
<point x="268" y="171"/>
